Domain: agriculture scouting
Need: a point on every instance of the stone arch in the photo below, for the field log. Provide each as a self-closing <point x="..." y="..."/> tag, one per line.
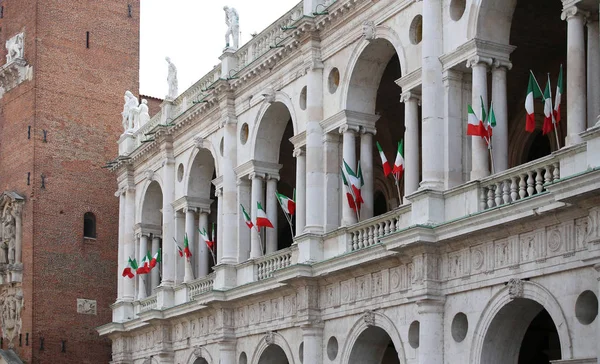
<point x="272" y="338"/>
<point x="199" y="353"/>
<point x="372" y="319"/>
<point x="267" y="126"/>
<point x="151" y="199"/>
<point x="389" y="42"/>
<point x="198" y="173"/>
<point x="530" y="291"/>
<point x="501" y="11"/>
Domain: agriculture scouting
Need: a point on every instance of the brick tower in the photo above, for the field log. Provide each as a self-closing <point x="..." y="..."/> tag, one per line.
<point x="64" y="70"/>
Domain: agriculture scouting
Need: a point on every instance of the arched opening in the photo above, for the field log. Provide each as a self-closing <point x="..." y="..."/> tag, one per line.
<point x="200" y="361"/>
<point x="522" y="333"/>
<point x="374" y="346"/>
<point x="89" y="225"/>
<point x="380" y="204"/>
<point x="274" y="147"/>
<point x="151" y="219"/>
<point x="201" y="194"/>
<point x="273" y="354"/>
<point x="541" y="48"/>
<point x="373" y="91"/>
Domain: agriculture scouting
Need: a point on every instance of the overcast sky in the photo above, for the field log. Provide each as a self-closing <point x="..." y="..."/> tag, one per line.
<point x="192" y="33"/>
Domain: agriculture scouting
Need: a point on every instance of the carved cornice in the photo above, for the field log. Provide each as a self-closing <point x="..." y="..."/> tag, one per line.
<point x="299" y="140"/>
<point x="353" y="119"/>
<point x="475" y="51"/>
<point x="410" y="81"/>
<point x="259" y="169"/>
<point x="198" y="204"/>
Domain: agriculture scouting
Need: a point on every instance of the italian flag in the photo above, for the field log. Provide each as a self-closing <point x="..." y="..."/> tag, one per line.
<point x="491" y="120"/>
<point x="547" y="127"/>
<point x="261" y="217"/>
<point x="399" y="163"/>
<point x="247" y="218"/>
<point x="558" y="97"/>
<point x="204" y="234"/>
<point x="288" y="205"/>
<point x="533" y="91"/>
<point x="483" y="130"/>
<point x="179" y="250"/>
<point x="130" y="268"/>
<point x="144" y="267"/>
<point x="473" y="128"/>
<point x="186" y="247"/>
<point x="349" y="195"/>
<point x="355" y="183"/>
<point x="156" y="258"/>
<point x="387" y="169"/>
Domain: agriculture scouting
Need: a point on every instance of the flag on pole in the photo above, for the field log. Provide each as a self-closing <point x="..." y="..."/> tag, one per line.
<point x="491" y="121"/>
<point x="399" y="163"/>
<point x="533" y="91"/>
<point x="355" y="184"/>
<point x="156" y="258"/>
<point x="186" y="247"/>
<point x="483" y="120"/>
<point x="144" y="267"/>
<point x="473" y="128"/>
<point x="209" y="242"/>
<point x="247" y="218"/>
<point x="548" y="110"/>
<point x="261" y="217"/>
<point x="349" y="195"/>
<point x="130" y="268"/>
<point x="287" y="204"/>
<point x="558" y="97"/>
<point x="387" y="169"/>
<point x="179" y="250"/>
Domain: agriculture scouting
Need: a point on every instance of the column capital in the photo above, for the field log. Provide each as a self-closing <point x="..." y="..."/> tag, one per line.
<point x="298" y="152"/>
<point x="574" y="11"/>
<point x="499" y="64"/>
<point x="242" y="182"/>
<point x="410" y="96"/>
<point x="368" y="130"/>
<point x="479" y="60"/>
<point x="271" y="177"/>
<point x="258" y="175"/>
<point x="190" y="209"/>
<point x="218" y="192"/>
<point x="349" y="128"/>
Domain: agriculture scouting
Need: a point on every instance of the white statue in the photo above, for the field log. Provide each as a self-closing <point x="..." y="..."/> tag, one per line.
<point x="143" y="114"/>
<point x="172" y="79"/>
<point x="232" y="19"/>
<point x="14" y="48"/>
<point x="130" y="108"/>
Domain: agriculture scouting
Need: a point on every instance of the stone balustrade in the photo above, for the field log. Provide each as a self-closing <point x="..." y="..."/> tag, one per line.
<point x="265" y="266"/>
<point x="518" y="183"/>
<point x="200" y="286"/>
<point x="148" y="304"/>
<point x="367" y="233"/>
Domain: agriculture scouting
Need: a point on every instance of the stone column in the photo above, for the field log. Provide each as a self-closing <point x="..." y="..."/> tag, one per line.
<point x="142" y="278"/>
<point x="411" y="143"/>
<point x="190" y="231"/>
<point x="433" y="94"/>
<point x="129" y="240"/>
<point x="313" y="344"/>
<point x="272" y="207"/>
<point x="366" y="166"/>
<point x="349" y="156"/>
<point x="314" y="148"/>
<point x="169" y="251"/>
<point x="331" y="145"/>
<point x="182" y="262"/>
<point x="123" y="260"/>
<point x="431" y="332"/>
<point x="219" y="196"/>
<point x="576" y="75"/>
<point x="230" y="204"/>
<point x="480" y="166"/>
<point x="155" y="273"/>
<point x="256" y="248"/>
<point x="453" y="128"/>
<point x="243" y="186"/>
<point x="203" y="257"/>
<point x="500" y="135"/>
<point x="593" y="74"/>
<point x="227" y="352"/>
<point x="300" y="190"/>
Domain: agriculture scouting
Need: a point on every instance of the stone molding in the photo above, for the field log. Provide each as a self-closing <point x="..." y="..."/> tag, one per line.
<point x="351" y="119"/>
<point x="486" y="50"/>
<point x="197" y="204"/>
<point x="259" y="168"/>
<point x="411" y="81"/>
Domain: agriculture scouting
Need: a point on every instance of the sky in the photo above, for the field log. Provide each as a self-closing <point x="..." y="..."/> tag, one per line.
<point x="192" y="34"/>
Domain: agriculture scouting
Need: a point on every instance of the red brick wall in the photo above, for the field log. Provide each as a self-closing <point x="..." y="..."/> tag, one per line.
<point x="78" y="101"/>
<point x="153" y="104"/>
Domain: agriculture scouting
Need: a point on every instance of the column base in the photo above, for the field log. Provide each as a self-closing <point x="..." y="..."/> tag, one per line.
<point x="225" y="277"/>
<point x="310" y="248"/>
<point x="122" y="311"/>
<point x="431" y="185"/>
<point x="165" y="297"/>
<point x="427" y="207"/>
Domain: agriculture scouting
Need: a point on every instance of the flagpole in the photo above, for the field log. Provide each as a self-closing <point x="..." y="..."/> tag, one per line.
<point x="288" y="218"/>
<point x="353" y="198"/>
<point x="398" y="190"/>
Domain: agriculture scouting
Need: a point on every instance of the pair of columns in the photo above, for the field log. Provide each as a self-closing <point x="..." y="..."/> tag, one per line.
<point x="194" y="219"/>
<point x="147" y="242"/>
<point x="258" y="195"/>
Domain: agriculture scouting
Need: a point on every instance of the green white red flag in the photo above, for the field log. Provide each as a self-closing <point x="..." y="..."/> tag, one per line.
<point x="186" y="247"/>
<point x="247" y="218"/>
<point x="548" y="110"/>
<point x="399" y="163"/>
<point x="473" y="128"/>
<point x="355" y="183"/>
<point x="533" y="92"/>
<point x="130" y="269"/>
<point x="558" y="97"/>
<point x="261" y="217"/>
<point x="483" y="130"/>
<point x="179" y="250"/>
<point x="387" y="169"/>
<point x="348" y="190"/>
<point x="144" y="267"/>
<point x="209" y="242"/>
<point x="156" y="258"/>
<point x="287" y="204"/>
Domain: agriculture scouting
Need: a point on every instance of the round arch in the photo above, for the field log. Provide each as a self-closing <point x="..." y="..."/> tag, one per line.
<point x="389" y="42"/>
<point x="270" y="111"/>
<point x="150" y="186"/>
<point x="199" y="353"/>
<point x="497" y="31"/>
<point x="199" y="171"/>
<point x="368" y="320"/>
<point x="533" y="292"/>
<point x="272" y="338"/>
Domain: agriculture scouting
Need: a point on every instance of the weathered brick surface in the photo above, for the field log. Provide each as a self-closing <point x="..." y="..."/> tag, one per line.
<point x="76" y="96"/>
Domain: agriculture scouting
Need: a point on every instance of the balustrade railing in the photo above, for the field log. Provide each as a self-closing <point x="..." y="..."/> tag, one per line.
<point x="265" y="266"/>
<point x="148" y="304"/>
<point x="200" y="286"/>
<point x="368" y="232"/>
<point x="517" y="183"/>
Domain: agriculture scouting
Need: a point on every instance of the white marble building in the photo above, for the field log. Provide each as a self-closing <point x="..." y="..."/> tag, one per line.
<point x="470" y="265"/>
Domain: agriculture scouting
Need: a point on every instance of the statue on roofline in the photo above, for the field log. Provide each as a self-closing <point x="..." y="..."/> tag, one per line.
<point x="232" y="19"/>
